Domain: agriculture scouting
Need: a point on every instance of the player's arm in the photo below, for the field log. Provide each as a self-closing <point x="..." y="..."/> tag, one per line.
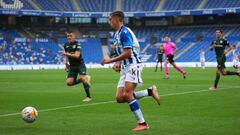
<point x="162" y="48"/>
<point x="127" y="43"/>
<point x="113" y="53"/>
<point x="174" y="47"/>
<point x="117" y="66"/>
<point x="66" y="62"/>
<point x="74" y="55"/>
<point x="228" y="50"/>
<point x="126" y="54"/>
<point x="229" y="47"/>
<point x="212" y="46"/>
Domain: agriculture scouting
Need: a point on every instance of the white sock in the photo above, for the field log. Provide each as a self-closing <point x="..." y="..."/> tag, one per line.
<point x="141" y="94"/>
<point x="139" y="116"/>
<point x="135" y="108"/>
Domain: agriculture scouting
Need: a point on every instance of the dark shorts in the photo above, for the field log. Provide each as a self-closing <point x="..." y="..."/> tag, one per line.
<point x="221" y="62"/>
<point x="170" y="58"/>
<point x="75" y="70"/>
<point x="159" y="58"/>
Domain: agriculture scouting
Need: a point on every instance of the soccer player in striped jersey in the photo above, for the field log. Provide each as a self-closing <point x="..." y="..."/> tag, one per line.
<point x="127" y="48"/>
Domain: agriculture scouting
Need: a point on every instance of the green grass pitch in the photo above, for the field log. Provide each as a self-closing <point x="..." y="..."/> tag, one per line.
<point x="188" y="107"/>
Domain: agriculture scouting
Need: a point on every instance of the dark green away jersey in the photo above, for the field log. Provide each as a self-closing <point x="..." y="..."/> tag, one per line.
<point x="160" y="52"/>
<point x="72" y="48"/>
<point x="220" y="46"/>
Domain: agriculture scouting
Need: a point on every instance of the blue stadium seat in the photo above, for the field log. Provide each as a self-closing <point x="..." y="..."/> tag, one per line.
<point x="181" y="4"/>
<point x="139" y="5"/>
<point x="222" y="3"/>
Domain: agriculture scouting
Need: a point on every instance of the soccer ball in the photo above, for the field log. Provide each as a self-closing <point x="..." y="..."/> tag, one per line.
<point x="29" y="114"/>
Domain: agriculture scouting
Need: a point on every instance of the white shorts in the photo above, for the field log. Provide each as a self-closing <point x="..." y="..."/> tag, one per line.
<point x="131" y="73"/>
<point x="202" y="60"/>
<point x="235" y="62"/>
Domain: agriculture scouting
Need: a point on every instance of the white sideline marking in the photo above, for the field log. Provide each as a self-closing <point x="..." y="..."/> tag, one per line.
<point x="113" y="101"/>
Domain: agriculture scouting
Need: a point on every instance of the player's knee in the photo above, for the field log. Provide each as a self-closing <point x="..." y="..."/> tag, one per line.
<point x="83" y="79"/>
<point x="120" y="99"/>
<point x="69" y="83"/>
<point x="128" y="97"/>
<point x="223" y="73"/>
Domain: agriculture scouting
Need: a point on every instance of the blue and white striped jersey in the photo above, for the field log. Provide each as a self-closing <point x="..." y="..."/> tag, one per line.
<point x="125" y="38"/>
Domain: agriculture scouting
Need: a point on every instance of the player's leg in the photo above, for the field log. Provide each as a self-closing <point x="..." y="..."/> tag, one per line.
<point x="72" y="77"/>
<point x="151" y="91"/>
<point x="216" y="81"/>
<point x="223" y="69"/>
<point x="166" y="69"/>
<point x="70" y="81"/>
<point x="161" y="64"/>
<point x="134" y="106"/>
<point x="234" y="63"/>
<point x="156" y="66"/>
<point x="85" y="81"/>
<point x="120" y="95"/>
<point x="86" y="85"/>
<point x="218" y="73"/>
<point x="224" y="72"/>
<point x="203" y="63"/>
<point x="135" y="77"/>
<point x="178" y="69"/>
<point x="132" y="80"/>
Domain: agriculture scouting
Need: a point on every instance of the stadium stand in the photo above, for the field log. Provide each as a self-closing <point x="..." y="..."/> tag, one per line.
<point x="97" y="5"/>
<point x="181" y="4"/>
<point x="33" y="51"/>
<point x="139" y="5"/>
<point x="90" y="44"/>
<point x="222" y="4"/>
<point x="127" y="5"/>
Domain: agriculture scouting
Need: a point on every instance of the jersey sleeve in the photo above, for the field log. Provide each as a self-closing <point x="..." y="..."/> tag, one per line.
<point x="64" y="47"/>
<point x="226" y="43"/>
<point x="78" y="47"/>
<point x="213" y="42"/>
<point x="173" y="45"/>
<point x="164" y="47"/>
<point x="126" y="39"/>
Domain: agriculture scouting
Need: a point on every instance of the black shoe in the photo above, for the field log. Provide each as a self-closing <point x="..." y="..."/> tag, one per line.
<point x="184" y="75"/>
